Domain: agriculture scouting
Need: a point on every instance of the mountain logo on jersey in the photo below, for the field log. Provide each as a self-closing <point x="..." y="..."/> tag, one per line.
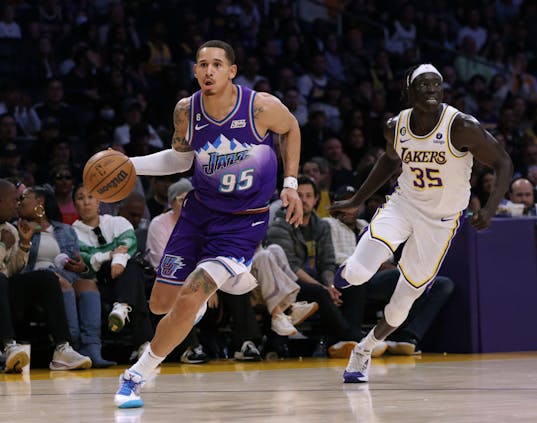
<point x="413" y="156"/>
<point x="222" y="153"/>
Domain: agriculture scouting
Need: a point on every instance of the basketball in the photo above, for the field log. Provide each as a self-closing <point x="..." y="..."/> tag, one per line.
<point x="109" y="176"/>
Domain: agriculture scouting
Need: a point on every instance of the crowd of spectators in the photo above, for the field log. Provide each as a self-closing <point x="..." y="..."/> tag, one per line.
<point x="77" y="77"/>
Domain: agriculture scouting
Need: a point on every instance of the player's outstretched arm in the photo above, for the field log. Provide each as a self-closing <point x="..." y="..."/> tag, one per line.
<point x="176" y="159"/>
<point x="469" y="135"/>
<point x="271" y="114"/>
<point x="385" y="167"/>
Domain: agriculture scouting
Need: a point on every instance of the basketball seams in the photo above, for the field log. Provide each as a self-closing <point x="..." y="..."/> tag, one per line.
<point x="114" y="164"/>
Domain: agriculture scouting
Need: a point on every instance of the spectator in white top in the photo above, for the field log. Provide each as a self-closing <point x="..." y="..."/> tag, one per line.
<point x="474" y="30"/>
<point x="8" y="27"/>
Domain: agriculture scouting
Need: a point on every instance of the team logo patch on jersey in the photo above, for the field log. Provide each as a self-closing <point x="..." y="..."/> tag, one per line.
<point x="238" y="123"/>
<point x="170" y="264"/>
<point x="402" y="131"/>
<point x="221" y="154"/>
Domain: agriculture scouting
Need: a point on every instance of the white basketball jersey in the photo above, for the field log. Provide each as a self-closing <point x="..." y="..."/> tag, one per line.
<point x="436" y="176"/>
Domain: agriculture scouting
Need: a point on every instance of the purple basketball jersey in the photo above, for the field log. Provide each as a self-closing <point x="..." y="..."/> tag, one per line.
<point x="235" y="167"/>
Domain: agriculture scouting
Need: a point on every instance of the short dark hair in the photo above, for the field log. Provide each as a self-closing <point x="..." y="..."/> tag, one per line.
<point x="230" y="53"/>
<point x="306" y="180"/>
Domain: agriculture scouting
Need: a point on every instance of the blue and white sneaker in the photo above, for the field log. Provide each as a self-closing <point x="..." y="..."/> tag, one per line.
<point x="128" y="394"/>
<point x="339" y="281"/>
<point x="357" y="370"/>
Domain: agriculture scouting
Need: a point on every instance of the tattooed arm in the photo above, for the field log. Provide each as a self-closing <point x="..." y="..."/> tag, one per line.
<point x="179" y="158"/>
<point x="271" y="115"/>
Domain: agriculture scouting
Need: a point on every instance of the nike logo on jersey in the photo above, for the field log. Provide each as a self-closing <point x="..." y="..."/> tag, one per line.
<point x="257" y="223"/>
<point x="198" y="127"/>
<point x="446" y="219"/>
<point x="403" y="141"/>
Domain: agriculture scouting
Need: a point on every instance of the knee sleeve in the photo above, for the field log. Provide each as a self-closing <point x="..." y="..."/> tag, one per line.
<point x="401" y="302"/>
<point x="355" y="273"/>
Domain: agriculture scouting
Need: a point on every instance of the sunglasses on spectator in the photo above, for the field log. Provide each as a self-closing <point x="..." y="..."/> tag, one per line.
<point x="63" y="176"/>
<point x="100" y="237"/>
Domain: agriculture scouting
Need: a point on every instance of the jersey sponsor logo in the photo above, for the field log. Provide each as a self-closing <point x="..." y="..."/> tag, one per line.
<point x="199" y="127"/>
<point x="412" y="156"/>
<point x="238" y="123"/>
<point x="171" y="264"/>
<point x="438" y="139"/>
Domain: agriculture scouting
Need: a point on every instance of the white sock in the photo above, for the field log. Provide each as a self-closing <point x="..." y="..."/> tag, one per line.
<point x="147" y="363"/>
<point x="369" y="342"/>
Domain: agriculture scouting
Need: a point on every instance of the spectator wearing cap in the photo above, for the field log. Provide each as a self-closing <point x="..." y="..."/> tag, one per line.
<point x="133" y="115"/>
<point x="345" y="230"/>
<point x="161" y="226"/>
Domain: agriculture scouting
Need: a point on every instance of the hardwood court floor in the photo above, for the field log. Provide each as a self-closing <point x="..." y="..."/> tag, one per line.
<point x="430" y="388"/>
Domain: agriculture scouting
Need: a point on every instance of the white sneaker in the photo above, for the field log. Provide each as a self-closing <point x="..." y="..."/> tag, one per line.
<point x="300" y="311"/>
<point x="16" y="358"/>
<point x="128" y="394"/>
<point x="66" y="358"/>
<point x="281" y="324"/>
<point x="379" y="349"/>
<point x="357" y="370"/>
<point x="118" y="315"/>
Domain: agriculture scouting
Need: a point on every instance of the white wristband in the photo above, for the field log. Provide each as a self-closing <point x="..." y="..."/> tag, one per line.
<point x="290" y="182"/>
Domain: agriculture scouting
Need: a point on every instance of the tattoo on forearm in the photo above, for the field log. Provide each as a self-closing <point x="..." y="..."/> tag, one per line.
<point x="200" y="280"/>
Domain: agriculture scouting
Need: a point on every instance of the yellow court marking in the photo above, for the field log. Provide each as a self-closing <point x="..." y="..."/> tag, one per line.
<point x="293" y="363"/>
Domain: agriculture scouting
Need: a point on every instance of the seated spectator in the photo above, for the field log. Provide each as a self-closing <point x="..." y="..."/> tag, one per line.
<point x="346" y="228"/>
<point x="107" y="244"/>
<point x="133" y="209"/>
<point x="63" y="182"/>
<point x="132" y="113"/>
<point x="158" y="233"/>
<point x="20" y="291"/>
<point x="278" y="288"/>
<point x="158" y="200"/>
<point x="55" y="247"/>
<point x="310" y="253"/>
<point x="522" y="191"/>
<point x="318" y="169"/>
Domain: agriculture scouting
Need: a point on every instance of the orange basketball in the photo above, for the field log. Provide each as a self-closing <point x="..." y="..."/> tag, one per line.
<point x="109" y="176"/>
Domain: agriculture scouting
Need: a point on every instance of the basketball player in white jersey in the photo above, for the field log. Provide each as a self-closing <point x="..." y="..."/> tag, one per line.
<point x="436" y="144"/>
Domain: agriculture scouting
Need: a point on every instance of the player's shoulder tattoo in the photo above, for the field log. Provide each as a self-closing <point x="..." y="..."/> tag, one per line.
<point x="263" y="102"/>
<point x="181" y="117"/>
<point x="181" y="113"/>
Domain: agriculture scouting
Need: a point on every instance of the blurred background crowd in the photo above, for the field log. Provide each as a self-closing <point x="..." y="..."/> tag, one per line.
<point x="80" y="76"/>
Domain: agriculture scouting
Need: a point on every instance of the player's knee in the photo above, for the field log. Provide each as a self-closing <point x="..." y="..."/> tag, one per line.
<point x="356" y="274"/>
<point x="396" y="311"/>
<point x="159" y="305"/>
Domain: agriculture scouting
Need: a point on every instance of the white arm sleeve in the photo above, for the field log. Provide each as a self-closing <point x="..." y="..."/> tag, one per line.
<point x="165" y="162"/>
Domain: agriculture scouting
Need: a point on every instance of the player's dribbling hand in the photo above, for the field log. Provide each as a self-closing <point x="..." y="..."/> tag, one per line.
<point x="481" y="219"/>
<point x="291" y="200"/>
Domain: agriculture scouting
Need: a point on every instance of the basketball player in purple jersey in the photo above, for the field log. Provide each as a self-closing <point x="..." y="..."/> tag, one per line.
<point x="435" y="144"/>
<point x="226" y="130"/>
